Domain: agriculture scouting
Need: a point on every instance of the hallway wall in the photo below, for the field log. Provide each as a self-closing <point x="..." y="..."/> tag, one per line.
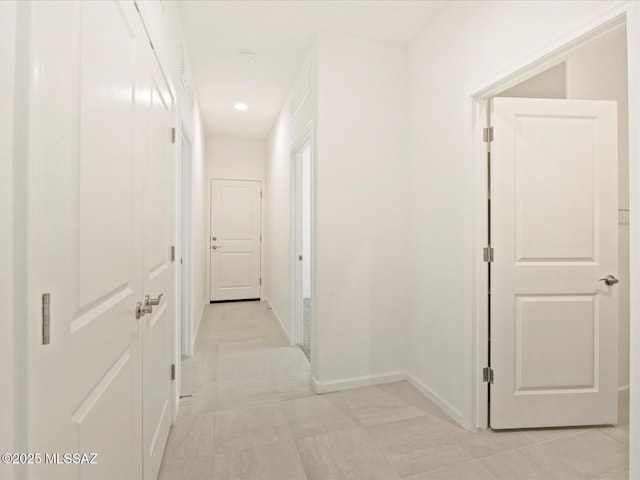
<point x="284" y="136"/>
<point x="7" y="83"/>
<point x="440" y="227"/>
<point x="359" y="194"/>
<point x="236" y="158"/>
<point x="360" y="284"/>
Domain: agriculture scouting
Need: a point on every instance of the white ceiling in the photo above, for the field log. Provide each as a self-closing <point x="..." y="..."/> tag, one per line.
<point x="281" y="33"/>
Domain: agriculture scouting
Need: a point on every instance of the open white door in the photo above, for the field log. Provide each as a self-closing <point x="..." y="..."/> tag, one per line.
<point x="84" y="381"/>
<point x="157" y="151"/>
<point x="235" y="239"/>
<point x="554" y="232"/>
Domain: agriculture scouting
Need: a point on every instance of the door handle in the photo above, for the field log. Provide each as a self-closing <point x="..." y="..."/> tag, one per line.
<point x="609" y="280"/>
<point x="215" y="247"/>
<point x="148" y="301"/>
<point x="142" y="310"/>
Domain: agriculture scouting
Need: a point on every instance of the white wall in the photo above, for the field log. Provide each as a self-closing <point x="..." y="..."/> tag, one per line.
<point x="359" y="200"/>
<point x="284" y="136"/>
<point x="440" y="82"/>
<point x="236" y="158"/>
<point x="360" y="284"/>
<point x="7" y="79"/>
<point x="599" y="72"/>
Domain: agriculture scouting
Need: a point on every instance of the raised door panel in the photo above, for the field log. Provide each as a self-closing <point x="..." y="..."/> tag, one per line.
<point x="555" y="188"/>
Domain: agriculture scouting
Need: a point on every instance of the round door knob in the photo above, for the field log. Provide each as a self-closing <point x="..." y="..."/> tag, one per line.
<point x="610" y="280"/>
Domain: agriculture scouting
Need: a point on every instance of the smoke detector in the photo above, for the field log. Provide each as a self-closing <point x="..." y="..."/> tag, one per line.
<point x="247" y="56"/>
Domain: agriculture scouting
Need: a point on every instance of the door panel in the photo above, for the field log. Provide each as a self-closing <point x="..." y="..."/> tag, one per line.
<point x="158" y="222"/>
<point x="99" y="225"/>
<point x="554" y="233"/>
<point x="235" y="225"/>
<point x="84" y="248"/>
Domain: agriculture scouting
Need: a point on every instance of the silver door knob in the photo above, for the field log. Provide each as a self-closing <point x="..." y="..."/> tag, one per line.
<point x="142" y="310"/>
<point x="215" y="247"/>
<point x="152" y="301"/>
<point x="610" y="280"/>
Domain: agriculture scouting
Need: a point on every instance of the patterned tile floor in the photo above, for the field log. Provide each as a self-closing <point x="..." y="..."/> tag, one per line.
<point x="253" y="416"/>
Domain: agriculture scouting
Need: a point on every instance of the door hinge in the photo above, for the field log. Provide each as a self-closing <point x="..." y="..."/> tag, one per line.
<point x="260" y="193"/>
<point x="46" y="318"/>
<point x="173" y="253"/>
<point x="261" y="281"/>
<point x="173" y="135"/>
<point x="173" y="371"/>
<point x="487" y="134"/>
<point x="487" y="375"/>
<point x="487" y="254"/>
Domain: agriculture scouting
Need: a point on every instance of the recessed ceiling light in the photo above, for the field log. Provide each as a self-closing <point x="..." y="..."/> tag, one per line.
<point x="247" y="56"/>
<point x="241" y="106"/>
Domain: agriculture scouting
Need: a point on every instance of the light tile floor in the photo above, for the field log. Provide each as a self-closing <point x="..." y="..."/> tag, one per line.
<point x="253" y="416"/>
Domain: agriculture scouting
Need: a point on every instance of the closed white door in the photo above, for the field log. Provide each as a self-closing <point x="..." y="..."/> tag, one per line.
<point x="85" y="238"/>
<point x="234" y="241"/>
<point x="159" y="183"/>
<point x="554" y="231"/>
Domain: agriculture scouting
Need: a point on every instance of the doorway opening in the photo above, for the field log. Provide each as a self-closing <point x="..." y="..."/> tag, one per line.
<point x="183" y="260"/>
<point x="567" y="62"/>
<point x="302" y="274"/>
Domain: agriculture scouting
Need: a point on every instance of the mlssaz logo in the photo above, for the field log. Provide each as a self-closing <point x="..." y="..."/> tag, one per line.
<point x="71" y="458"/>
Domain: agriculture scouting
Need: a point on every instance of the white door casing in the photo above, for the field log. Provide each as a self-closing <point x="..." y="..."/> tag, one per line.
<point x="234" y="239"/>
<point x="99" y="205"/>
<point x="554" y="232"/>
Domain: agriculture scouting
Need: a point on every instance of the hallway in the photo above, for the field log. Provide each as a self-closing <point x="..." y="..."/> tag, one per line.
<point x="253" y="416"/>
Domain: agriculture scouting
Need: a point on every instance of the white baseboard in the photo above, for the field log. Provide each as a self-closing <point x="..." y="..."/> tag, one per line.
<point x="440" y="402"/>
<point x="369" y="380"/>
<point x="284" y="330"/>
<point x="355" y="382"/>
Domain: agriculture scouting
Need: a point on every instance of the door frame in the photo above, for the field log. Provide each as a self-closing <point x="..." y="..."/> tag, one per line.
<point x="262" y="233"/>
<point x="475" y="338"/>
<point x="184" y="244"/>
<point x="296" y="307"/>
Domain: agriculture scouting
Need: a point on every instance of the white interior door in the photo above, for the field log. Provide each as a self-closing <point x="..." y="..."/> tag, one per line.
<point x="84" y="387"/>
<point x="159" y="184"/>
<point x="234" y="242"/>
<point x="554" y="231"/>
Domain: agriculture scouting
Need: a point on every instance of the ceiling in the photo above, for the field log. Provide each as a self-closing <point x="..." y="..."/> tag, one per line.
<point x="280" y="32"/>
